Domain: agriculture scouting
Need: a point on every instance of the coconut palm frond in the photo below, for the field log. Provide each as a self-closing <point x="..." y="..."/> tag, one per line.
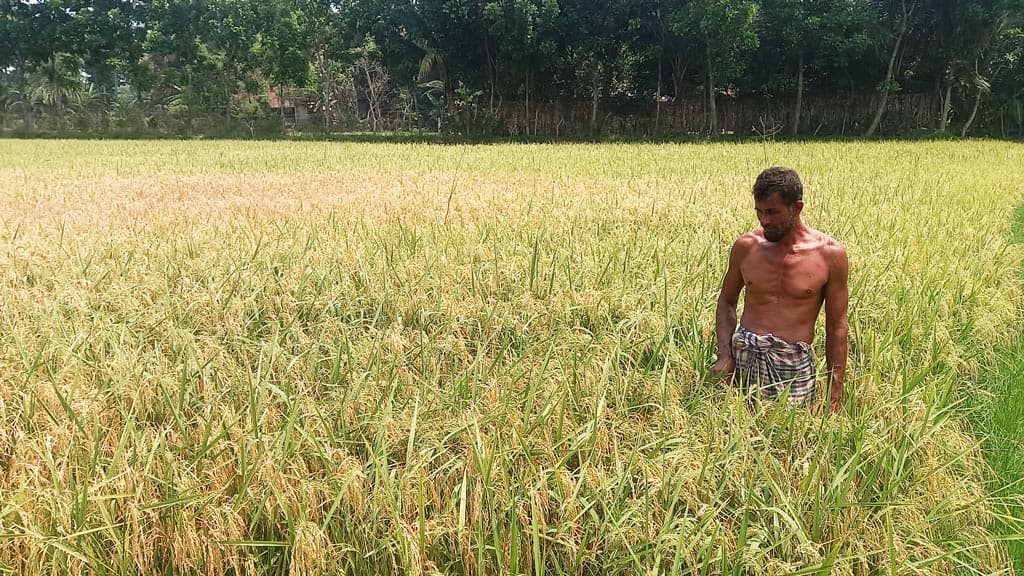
<point x="431" y="61"/>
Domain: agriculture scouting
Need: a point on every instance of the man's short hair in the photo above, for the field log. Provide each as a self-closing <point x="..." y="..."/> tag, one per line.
<point x="779" y="179"/>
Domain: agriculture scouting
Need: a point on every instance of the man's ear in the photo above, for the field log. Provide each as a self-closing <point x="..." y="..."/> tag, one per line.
<point x="798" y="206"/>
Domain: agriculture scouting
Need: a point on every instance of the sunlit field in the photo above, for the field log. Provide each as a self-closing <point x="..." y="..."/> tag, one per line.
<point x="319" y="358"/>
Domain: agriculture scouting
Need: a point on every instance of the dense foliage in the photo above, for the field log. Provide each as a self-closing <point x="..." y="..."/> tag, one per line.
<point x="192" y="66"/>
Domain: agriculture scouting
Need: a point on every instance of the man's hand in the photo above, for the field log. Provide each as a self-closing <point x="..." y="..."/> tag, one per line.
<point x="835" y="404"/>
<point x="724" y="368"/>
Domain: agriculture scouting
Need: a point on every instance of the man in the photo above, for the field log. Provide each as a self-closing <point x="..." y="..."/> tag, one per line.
<point x="789" y="271"/>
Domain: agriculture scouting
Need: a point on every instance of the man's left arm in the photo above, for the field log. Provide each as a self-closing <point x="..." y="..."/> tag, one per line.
<point x="837" y="298"/>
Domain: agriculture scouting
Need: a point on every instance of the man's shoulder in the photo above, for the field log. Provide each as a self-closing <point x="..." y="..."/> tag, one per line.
<point x="834" y="249"/>
<point x="744" y="246"/>
<point x="827" y="244"/>
<point x="834" y="254"/>
<point x="749" y="240"/>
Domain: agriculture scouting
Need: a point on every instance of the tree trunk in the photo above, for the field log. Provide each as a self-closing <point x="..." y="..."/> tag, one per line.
<point x="526" y="119"/>
<point x="449" y="88"/>
<point x="280" y="102"/>
<point x="411" y="112"/>
<point x="712" y="111"/>
<point x="657" y="108"/>
<point x="227" y="106"/>
<point x="848" y="107"/>
<point x="889" y="72"/>
<point x="326" y="107"/>
<point x="492" y="74"/>
<point x="596" y="94"/>
<point x="878" y="114"/>
<point x="105" y="114"/>
<point x="325" y="81"/>
<point x="371" y="97"/>
<point x="26" y="112"/>
<point x="947" y="103"/>
<point x="26" y="99"/>
<point x="970" y="119"/>
<point x="799" y="94"/>
<point x="679" y="66"/>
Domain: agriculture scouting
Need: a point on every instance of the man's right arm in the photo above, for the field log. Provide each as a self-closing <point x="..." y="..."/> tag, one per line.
<point x="725" y="313"/>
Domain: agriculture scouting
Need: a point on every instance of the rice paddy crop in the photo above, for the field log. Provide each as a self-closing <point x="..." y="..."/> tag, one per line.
<point x="317" y="358"/>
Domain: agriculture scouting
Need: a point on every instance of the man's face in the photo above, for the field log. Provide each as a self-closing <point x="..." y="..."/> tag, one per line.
<point x="775" y="217"/>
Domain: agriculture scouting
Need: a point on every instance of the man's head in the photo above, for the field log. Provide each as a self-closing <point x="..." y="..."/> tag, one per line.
<point x="778" y="200"/>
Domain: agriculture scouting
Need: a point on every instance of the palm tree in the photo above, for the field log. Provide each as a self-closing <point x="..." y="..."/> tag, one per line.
<point x="58" y="84"/>
<point x="435" y="60"/>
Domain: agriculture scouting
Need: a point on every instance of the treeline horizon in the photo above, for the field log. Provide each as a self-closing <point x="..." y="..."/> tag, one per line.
<point x="494" y="67"/>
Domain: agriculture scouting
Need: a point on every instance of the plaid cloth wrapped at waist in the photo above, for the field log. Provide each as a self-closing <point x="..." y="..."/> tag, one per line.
<point x="770" y="365"/>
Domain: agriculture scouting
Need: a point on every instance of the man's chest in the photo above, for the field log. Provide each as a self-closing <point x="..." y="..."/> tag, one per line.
<point x="772" y="273"/>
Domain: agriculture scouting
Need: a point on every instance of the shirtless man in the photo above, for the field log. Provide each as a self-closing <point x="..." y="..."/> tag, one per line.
<point x="789" y="271"/>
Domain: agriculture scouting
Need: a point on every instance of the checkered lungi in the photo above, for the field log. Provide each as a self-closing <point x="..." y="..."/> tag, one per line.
<point x="770" y="365"/>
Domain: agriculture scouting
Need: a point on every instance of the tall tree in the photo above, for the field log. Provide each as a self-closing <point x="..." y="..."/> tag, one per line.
<point x="1006" y="69"/>
<point x="448" y="34"/>
<point x="724" y="31"/>
<point x="204" y="51"/>
<point x="668" y="51"/>
<point x="110" y="35"/>
<point x="40" y="42"/>
<point x="283" y="45"/>
<point x="328" y="27"/>
<point x="15" y="36"/>
<point x="811" y="33"/>
<point x="525" y="37"/>
<point x="983" y="23"/>
<point x="596" y="38"/>
<point x="896" y="17"/>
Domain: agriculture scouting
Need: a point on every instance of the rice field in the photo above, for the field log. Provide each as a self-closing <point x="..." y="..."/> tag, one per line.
<point x="1000" y="421"/>
<point x="235" y="358"/>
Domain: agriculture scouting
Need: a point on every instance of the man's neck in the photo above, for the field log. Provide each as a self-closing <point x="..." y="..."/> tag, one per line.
<point x="793" y="237"/>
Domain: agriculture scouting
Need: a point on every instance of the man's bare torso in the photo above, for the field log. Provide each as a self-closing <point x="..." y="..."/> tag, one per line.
<point x="784" y="283"/>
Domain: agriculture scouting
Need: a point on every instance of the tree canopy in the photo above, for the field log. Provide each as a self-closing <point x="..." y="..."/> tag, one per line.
<point x="191" y="66"/>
